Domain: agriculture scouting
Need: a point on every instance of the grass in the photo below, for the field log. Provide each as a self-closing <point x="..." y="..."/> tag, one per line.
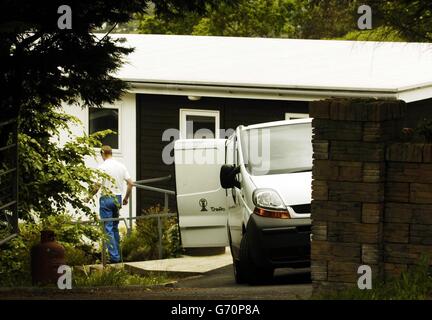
<point x="108" y="277"/>
<point x="116" y="277"/>
<point x="414" y="284"/>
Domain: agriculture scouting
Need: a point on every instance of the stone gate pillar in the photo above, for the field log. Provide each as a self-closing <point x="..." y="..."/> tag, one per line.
<point x="348" y="188"/>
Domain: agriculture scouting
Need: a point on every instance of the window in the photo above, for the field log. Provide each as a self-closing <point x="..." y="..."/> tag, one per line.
<point x="199" y="124"/>
<point x="277" y="150"/>
<point x="294" y="116"/>
<point x="102" y="119"/>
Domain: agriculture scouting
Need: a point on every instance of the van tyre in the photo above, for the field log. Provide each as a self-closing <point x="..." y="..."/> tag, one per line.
<point x="245" y="268"/>
<point x="239" y="275"/>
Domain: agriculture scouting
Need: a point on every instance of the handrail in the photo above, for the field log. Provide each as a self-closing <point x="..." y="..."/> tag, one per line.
<point x="140" y="185"/>
<point x="148" y="188"/>
<point x="129" y="224"/>
<point x="9" y="146"/>
<point x="151" y="180"/>
<point x="3" y="173"/>
<point x="11" y="203"/>
<point x="5" y="123"/>
<point x="10" y="237"/>
<point x="13" y="223"/>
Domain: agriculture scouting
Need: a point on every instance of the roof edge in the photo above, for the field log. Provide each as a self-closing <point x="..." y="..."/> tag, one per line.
<point x="265" y="93"/>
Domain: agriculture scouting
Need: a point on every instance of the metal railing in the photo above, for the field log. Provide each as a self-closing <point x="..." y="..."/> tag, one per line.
<point x="11" y="204"/>
<point x="129" y="221"/>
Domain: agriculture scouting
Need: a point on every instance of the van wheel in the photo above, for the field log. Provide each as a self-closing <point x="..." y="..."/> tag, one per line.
<point x="246" y="269"/>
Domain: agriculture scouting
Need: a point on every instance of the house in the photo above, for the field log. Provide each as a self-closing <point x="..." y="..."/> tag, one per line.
<point x="186" y="86"/>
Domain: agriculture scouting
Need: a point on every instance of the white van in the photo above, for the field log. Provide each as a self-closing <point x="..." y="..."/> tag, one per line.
<point x="252" y="192"/>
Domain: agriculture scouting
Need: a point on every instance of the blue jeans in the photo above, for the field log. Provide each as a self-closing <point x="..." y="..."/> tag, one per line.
<point x="109" y="207"/>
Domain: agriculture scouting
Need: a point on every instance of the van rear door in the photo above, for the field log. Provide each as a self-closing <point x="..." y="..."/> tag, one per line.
<point x="201" y="201"/>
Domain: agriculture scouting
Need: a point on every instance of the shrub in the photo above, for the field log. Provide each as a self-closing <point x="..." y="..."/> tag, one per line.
<point x="78" y="240"/>
<point x="143" y="242"/>
<point x="15" y="257"/>
<point x="134" y="247"/>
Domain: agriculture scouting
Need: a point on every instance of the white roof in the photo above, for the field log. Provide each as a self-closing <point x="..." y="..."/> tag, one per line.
<point x="278" y="68"/>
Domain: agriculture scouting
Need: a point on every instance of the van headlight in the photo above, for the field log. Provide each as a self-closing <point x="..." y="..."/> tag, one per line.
<point x="268" y="203"/>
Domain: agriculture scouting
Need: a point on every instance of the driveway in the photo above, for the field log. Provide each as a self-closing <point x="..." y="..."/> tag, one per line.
<point x="199" y="277"/>
<point x="219" y="284"/>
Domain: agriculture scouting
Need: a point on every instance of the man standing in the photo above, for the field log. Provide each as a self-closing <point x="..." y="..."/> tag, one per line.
<point x="111" y="198"/>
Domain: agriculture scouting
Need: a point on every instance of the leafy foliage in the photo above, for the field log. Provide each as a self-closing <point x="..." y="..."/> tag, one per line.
<point x="143" y="242"/>
<point x="249" y="18"/>
<point x="53" y="174"/>
<point x="411" y="19"/>
<point x="378" y="34"/>
<point x="260" y="18"/>
<point x="76" y="238"/>
<point x="43" y="67"/>
<point x="319" y="19"/>
<point x="399" y="20"/>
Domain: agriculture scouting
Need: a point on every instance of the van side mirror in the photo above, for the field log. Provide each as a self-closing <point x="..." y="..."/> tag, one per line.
<point x="228" y="176"/>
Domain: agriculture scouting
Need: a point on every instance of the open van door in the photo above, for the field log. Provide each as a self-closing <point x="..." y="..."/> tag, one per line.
<point x="201" y="201"/>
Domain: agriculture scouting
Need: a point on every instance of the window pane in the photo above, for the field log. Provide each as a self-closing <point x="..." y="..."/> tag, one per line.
<point x="103" y="119"/>
<point x="278" y="150"/>
<point x="200" y="127"/>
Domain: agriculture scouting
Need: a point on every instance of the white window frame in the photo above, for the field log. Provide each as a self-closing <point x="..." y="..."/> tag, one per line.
<point x="296" y="115"/>
<point x="117" y="151"/>
<point x="198" y="112"/>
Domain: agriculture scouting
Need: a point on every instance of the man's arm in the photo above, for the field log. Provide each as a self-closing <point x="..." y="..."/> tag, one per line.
<point x="128" y="191"/>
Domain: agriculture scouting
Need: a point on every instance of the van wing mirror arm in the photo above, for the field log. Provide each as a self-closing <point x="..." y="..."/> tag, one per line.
<point x="233" y="174"/>
<point x="228" y="176"/>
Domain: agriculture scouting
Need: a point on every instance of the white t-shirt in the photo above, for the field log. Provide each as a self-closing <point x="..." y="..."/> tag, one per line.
<point x="118" y="172"/>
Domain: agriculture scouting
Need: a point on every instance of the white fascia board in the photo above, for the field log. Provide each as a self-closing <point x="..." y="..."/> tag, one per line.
<point x="415" y="93"/>
<point x="293" y="94"/>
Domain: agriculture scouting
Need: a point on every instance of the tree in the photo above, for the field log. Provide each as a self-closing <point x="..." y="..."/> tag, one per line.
<point x="247" y="18"/>
<point x="411" y="19"/>
<point x="399" y="20"/>
<point x="43" y="66"/>
<point x="54" y="175"/>
<point x="396" y="20"/>
<point x="319" y="19"/>
<point x="310" y="19"/>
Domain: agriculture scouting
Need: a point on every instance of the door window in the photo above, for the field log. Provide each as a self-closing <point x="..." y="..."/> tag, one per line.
<point x="199" y="124"/>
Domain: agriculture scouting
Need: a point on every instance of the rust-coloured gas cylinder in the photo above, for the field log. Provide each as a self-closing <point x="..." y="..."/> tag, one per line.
<point x="46" y="258"/>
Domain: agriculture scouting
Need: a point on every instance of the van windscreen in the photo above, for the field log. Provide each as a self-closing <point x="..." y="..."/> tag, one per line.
<point x="277" y="150"/>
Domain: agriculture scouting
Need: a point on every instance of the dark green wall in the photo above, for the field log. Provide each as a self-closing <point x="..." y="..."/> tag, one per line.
<point x="156" y="113"/>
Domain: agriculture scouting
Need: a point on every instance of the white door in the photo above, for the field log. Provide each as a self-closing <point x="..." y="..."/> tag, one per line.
<point x="201" y="201"/>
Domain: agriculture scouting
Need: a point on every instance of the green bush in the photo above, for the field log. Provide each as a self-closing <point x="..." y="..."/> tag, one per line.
<point x="414" y="284"/>
<point x="143" y="242"/>
<point x="78" y="240"/>
<point x="134" y="247"/>
<point x="15" y="257"/>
